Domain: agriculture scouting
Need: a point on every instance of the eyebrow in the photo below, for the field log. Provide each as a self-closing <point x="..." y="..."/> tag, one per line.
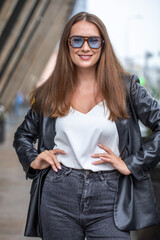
<point x="85" y="36"/>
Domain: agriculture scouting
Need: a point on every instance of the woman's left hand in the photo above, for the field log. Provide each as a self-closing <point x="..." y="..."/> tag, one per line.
<point x="110" y="157"/>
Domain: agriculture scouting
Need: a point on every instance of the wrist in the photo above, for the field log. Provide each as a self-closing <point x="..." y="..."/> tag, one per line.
<point x="32" y="165"/>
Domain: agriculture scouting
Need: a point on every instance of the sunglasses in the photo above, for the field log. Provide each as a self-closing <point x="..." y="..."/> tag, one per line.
<point x="93" y="41"/>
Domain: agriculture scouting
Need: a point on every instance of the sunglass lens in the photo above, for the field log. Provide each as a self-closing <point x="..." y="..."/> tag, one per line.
<point x="76" y="42"/>
<point x="94" y="42"/>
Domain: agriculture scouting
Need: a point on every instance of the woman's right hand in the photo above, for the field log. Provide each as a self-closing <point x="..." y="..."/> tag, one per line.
<point x="47" y="158"/>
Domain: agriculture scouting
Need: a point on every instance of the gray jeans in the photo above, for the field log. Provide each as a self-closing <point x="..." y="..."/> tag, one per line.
<point x="77" y="203"/>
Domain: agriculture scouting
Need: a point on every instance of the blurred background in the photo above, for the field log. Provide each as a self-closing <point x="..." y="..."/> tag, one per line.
<point x="30" y="32"/>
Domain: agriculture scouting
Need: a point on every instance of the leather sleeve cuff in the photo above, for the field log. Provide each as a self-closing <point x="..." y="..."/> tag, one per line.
<point x="138" y="173"/>
<point x="32" y="173"/>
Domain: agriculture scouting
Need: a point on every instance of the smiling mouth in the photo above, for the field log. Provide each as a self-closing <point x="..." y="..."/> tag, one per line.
<point x="85" y="57"/>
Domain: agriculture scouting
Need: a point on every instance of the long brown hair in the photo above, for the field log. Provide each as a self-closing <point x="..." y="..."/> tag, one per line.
<point x="54" y="96"/>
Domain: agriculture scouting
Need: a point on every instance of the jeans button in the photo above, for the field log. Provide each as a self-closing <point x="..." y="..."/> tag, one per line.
<point x="87" y="172"/>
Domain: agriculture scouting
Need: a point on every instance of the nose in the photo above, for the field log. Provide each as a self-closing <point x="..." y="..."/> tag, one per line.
<point x="85" y="46"/>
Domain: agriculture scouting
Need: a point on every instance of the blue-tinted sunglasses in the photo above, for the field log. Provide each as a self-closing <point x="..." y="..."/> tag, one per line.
<point x="93" y="41"/>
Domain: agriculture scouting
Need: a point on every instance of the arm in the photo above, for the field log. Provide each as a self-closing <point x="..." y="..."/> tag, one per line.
<point x="24" y="142"/>
<point x="147" y="110"/>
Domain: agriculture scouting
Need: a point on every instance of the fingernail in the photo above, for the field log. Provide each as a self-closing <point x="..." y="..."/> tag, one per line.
<point x="59" y="167"/>
<point x="56" y="170"/>
<point x="92" y="155"/>
<point x="99" y="144"/>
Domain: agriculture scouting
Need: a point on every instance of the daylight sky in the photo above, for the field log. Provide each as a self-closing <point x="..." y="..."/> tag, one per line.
<point x="133" y="26"/>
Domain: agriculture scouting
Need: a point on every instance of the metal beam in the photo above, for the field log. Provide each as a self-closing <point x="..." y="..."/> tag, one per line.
<point x="40" y="44"/>
<point x="22" y="31"/>
<point x="10" y="23"/>
<point x="1" y="3"/>
<point x="32" y="32"/>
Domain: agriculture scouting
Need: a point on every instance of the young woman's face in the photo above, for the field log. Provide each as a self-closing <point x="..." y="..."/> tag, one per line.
<point x="84" y="57"/>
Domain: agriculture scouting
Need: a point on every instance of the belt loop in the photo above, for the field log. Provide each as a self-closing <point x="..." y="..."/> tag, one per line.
<point x="68" y="171"/>
<point x="100" y="174"/>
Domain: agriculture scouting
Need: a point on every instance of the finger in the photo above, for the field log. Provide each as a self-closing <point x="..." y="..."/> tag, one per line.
<point x="98" y="155"/>
<point x="109" y="160"/>
<point x="57" y="150"/>
<point x="105" y="148"/>
<point x="55" y="160"/>
<point x="98" y="162"/>
<point x="104" y="160"/>
<point x="44" y="165"/>
<point x="53" y="164"/>
<point x="46" y="156"/>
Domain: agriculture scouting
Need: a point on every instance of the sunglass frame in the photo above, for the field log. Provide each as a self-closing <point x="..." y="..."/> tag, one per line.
<point x="85" y="38"/>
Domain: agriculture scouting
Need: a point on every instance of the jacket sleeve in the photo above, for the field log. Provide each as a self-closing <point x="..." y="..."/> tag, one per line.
<point x="147" y="110"/>
<point x="24" y="142"/>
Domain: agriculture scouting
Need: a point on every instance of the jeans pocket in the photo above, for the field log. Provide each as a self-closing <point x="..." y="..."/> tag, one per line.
<point x="112" y="183"/>
<point x="53" y="176"/>
<point x="57" y="177"/>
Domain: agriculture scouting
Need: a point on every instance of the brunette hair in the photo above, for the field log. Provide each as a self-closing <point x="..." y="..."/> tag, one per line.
<point x="54" y="96"/>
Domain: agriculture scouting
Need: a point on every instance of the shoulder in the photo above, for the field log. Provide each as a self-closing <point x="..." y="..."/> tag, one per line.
<point x="32" y="115"/>
<point x="134" y="89"/>
<point x="131" y="81"/>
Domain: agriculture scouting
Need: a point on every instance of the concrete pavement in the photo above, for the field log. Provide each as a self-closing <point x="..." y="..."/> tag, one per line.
<point x="14" y="189"/>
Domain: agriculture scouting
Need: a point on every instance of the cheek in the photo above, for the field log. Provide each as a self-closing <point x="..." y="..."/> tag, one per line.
<point x="72" y="53"/>
<point x="98" y="55"/>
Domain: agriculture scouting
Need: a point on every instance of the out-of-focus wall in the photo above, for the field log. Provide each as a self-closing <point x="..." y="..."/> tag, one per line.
<point x="30" y="31"/>
<point x="133" y="27"/>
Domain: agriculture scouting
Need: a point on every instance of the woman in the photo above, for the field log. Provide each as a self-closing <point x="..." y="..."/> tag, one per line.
<point x="85" y="117"/>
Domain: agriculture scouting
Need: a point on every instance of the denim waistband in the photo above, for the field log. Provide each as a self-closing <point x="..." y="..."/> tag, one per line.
<point x="90" y="173"/>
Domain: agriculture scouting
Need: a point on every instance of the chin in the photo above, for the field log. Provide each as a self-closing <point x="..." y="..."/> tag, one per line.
<point x="85" y="66"/>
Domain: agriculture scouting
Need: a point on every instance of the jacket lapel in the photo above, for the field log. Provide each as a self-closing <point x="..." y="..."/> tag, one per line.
<point x="48" y="132"/>
<point x="122" y="128"/>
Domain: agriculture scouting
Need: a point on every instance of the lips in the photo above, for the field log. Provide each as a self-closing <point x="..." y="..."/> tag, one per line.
<point x="85" y="57"/>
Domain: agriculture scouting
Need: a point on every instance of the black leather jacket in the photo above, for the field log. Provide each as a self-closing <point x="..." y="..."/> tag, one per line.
<point x="135" y="205"/>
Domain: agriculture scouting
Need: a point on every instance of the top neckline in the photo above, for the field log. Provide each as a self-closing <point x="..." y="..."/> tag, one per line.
<point x="101" y="102"/>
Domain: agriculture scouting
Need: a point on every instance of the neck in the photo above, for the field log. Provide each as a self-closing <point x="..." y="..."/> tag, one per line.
<point x="86" y="76"/>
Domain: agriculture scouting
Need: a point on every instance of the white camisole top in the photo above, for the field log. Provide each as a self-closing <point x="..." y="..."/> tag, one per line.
<point x="79" y="134"/>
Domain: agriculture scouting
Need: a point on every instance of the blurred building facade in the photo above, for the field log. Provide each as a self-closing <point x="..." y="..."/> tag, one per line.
<point x="30" y="31"/>
<point x="148" y="72"/>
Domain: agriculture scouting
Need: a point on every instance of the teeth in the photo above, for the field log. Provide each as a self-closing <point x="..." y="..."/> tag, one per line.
<point x="85" y="56"/>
